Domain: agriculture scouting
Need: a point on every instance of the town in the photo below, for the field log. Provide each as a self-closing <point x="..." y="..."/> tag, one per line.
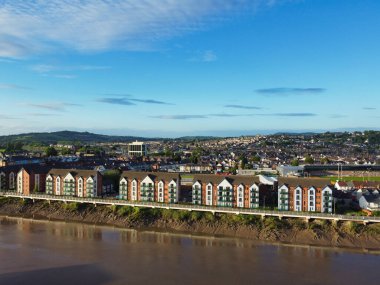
<point x="326" y="173"/>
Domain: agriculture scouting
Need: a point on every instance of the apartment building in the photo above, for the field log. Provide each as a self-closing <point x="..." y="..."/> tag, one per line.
<point x="74" y="182"/>
<point x="305" y="194"/>
<point x="150" y="186"/>
<point x="31" y="180"/>
<point x="226" y="191"/>
<point x="8" y="177"/>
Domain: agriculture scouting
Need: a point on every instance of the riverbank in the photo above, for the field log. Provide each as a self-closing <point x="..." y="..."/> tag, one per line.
<point x="295" y="231"/>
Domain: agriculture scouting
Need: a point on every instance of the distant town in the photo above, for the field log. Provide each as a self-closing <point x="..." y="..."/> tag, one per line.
<point x="326" y="173"/>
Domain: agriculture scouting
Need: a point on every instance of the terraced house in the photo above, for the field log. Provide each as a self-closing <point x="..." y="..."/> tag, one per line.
<point x="308" y="195"/>
<point x="226" y="191"/>
<point x="149" y="187"/>
<point x="74" y="182"/>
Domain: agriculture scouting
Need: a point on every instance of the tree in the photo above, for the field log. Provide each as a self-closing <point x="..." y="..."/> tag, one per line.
<point x="309" y="159"/>
<point x="51" y="151"/>
<point x="295" y="162"/>
<point x="256" y="158"/>
<point x="325" y="160"/>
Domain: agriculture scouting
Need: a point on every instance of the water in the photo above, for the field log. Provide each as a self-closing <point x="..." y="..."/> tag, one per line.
<point x="41" y="252"/>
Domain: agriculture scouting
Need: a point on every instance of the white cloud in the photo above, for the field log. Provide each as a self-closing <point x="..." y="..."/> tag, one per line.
<point x="12" y="86"/>
<point x="204" y="56"/>
<point x="28" y="27"/>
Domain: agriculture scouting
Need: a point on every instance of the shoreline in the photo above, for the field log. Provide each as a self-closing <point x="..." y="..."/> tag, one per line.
<point x="317" y="233"/>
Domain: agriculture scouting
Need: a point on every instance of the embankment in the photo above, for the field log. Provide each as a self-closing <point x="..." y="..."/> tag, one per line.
<point x="295" y="231"/>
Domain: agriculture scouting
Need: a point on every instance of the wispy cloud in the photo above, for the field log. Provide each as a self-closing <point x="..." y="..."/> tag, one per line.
<point x="179" y="117"/>
<point x="243" y="107"/>
<point x="6" y="117"/>
<point x="46" y="68"/>
<point x="13" y="86"/>
<point x="55" y="106"/>
<point x="204" y="56"/>
<point x="150" y="101"/>
<point x="116" y="101"/>
<point x="369" y="108"/>
<point x="290" y="91"/>
<point x="294" y="114"/>
<point x="42" y="115"/>
<point x="127" y="100"/>
<point x="28" y="27"/>
<point x="337" y="116"/>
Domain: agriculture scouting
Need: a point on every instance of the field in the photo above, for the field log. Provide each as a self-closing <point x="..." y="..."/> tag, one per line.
<point x="354" y="178"/>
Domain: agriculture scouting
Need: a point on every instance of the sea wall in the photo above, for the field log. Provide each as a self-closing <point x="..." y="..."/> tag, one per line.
<point x="295" y="231"/>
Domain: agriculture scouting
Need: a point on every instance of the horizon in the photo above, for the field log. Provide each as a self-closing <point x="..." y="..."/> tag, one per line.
<point x="248" y="134"/>
<point x="188" y="68"/>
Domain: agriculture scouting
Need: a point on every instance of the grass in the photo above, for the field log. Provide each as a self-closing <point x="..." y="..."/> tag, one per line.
<point x="354" y="178"/>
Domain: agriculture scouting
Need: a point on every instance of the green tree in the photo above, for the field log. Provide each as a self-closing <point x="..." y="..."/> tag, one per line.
<point x="295" y="162"/>
<point x="256" y="158"/>
<point x="51" y="151"/>
<point x="325" y="160"/>
<point x="309" y="160"/>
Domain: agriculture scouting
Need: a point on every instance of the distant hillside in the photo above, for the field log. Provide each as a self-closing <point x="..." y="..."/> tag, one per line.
<point x="65" y="137"/>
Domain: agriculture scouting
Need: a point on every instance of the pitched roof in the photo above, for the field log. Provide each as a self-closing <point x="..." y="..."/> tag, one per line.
<point x="155" y="176"/>
<point x="304" y="182"/>
<point x="232" y="179"/>
<point x="74" y="172"/>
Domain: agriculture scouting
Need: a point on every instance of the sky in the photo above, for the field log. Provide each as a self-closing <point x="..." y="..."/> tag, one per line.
<point x="182" y="68"/>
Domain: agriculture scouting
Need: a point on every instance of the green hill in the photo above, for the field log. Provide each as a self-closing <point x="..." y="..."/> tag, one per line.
<point x="68" y="137"/>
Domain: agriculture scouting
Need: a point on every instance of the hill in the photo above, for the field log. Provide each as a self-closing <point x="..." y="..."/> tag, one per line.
<point x="68" y="137"/>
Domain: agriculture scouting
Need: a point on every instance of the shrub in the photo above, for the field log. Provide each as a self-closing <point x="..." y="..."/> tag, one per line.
<point x="180" y="215"/>
<point x="124" y="210"/>
<point x="209" y="217"/>
<point x="195" y="216"/>
<point x="167" y="214"/>
<point x="71" y="206"/>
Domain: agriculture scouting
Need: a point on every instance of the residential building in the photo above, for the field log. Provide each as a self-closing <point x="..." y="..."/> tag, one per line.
<point x="226" y="191"/>
<point x="31" y="180"/>
<point x="305" y="194"/>
<point x="150" y="186"/>
<point x="137" y="149"/>
<point x="74" y="182"/>
<point x="370" y="200"/>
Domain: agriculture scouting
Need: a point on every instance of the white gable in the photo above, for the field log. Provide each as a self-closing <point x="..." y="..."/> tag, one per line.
<point x="173" y="182"/>
<point x="69" y="177"/>
<point x="124" y="180"/>
<point x="147" y="180"/>
<point x="49" y="177"/>
<point x="284" y="187"/>
<point x="327" y="189"/>
<point x="254" y="186"/>
<point x="225" y="184"/>
<point x="197" y="184"/>
<point x="90" y="179"/>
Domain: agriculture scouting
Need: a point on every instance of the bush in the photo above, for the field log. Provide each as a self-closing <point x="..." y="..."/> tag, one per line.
<point x="180" y="215"/>
<point x="209" y="217"/>
<point x="354" y="227"/>
<point x="167" y="214"/>
<point x="72" y="207"/>
<point x="124" y="210"/>
<point x="195" y="216"/>
<point x="273" y="223"/>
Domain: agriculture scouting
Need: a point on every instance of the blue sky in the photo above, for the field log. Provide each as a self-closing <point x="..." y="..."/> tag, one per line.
<point x="173" y="68"/>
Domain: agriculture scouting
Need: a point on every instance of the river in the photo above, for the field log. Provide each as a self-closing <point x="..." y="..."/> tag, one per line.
<point x="43" y="252"/>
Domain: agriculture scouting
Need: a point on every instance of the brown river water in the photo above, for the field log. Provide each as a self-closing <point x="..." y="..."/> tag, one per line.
<point x="43" y="252"/>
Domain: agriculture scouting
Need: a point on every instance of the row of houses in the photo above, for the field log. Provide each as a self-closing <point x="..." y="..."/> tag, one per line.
<point x="236" y="191"/>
